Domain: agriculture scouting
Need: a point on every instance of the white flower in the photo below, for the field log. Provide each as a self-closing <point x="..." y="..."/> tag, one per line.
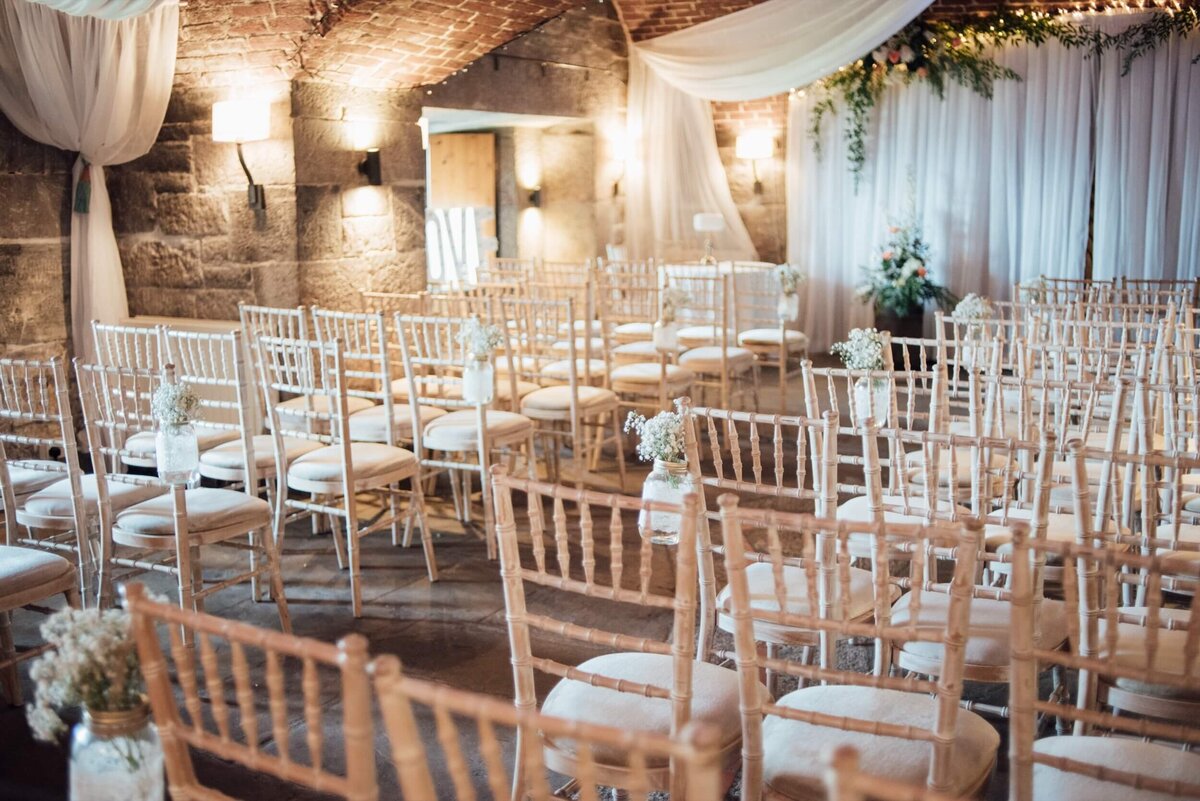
<point x="791" y="276"/>
<point x="660" y="437"/>
<point x="862" y="350"/>
<point x="911" y="266"/>
<point x="673" y="299"/>
<point x="880" y="55"/>
<point x="974" y="307"/>
<point x="173" y="404"/>
<point x="862" y="292"/>
<point x="907" y="54"/>
<point x="480" y="339"/>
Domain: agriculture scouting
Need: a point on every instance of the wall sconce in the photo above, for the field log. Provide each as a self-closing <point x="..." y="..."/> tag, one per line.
<point x="535" y="197"/>
<point x="371" y="167"/>
<point x="708" y="223"/>
<point x="755" y="146"/>
<point x="243" y="121"/>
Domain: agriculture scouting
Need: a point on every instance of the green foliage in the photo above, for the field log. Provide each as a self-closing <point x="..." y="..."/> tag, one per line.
<point x="899" y="281"/>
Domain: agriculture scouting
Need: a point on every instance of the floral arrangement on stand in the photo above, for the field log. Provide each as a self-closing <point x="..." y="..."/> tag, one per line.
<point x="791" y="278"/>
<point x="869" y="397"/>
<point x="899" y="281"/>
<point x="661" y="440"/>
<point x="938" y="52"/>
<point x="479" y="374"/>
<point x="176" y="447"/>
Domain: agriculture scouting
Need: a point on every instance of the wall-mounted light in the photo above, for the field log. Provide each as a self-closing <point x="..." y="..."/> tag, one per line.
<point x="708" y="223"/>
<point x="535" y="197"/>
<point x="371" y="167"/>
<point x="754" y="146"/>
<point x="243" y="121"/>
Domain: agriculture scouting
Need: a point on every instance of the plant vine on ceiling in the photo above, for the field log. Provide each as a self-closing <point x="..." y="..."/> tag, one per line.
<point x="938" y="52"/>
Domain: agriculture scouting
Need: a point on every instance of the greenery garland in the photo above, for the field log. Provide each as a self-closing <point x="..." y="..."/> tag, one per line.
<point x="939" y="51"/>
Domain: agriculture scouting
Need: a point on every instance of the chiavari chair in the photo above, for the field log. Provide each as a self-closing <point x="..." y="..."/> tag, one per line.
<point x="1181" y="291"/>
<point x="464" y="440"/>
<point x="908" y="729"/>
<point x="709" y="334"/>
<point x="1120" y="655"/>
<point x="763" y="331"/>
<point x="507" y="271"/>
<point x="28" y="578"/>
<point x="148" y="525"/>
<point x="642" y="683"/>
<point x="204" y="655"/>
<point x="491" y="723"/>
<point x="35" y="412"/>
<point x="136" y="346"/>
<point x="564" y="412"/>
<point x="587" y="365"/>
<point x="845" y="781"/>
<point x="1062" y="290"/>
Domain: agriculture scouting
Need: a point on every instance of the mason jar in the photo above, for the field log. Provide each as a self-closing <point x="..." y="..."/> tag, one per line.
<point x="668" y="482"/>
<point x="176" y="452"/>
<point x="872" y="398"/>
<point x="116" y="756"/>
<point x="479" y="385"/>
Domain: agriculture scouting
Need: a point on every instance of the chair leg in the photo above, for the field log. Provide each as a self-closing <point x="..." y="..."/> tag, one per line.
<point x="489" y="514"/>
<point x="354" y="546"/>
<point x="418" y="512"/>
<point x="10" y="680"/>
<point x="619" y="444"/>
<point x="197" y="579"/>
<point x="271" y="554"/>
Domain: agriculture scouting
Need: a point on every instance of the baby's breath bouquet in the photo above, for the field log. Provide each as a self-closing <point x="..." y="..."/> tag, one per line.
<point x="660" y="437"/>
<point x="862" y="350"/>
<point x="673" y="299"/>
<point x="174" y="404"/>
<point x="661" y="440"/>
<point x="790" y="277"/>
<point x="481" y="340"/>
<point x="974" y="307"/>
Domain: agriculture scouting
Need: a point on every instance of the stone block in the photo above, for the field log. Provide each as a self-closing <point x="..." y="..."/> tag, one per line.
<point x="269" y="235"/>
<point x="270" y="162"/>
<point x="408" y="217"/>
<point x="214" y="249"/>
<point x="134" y="200"/>
<point x="221" y="304"/>
<point x="192" y="215"/>
<point x="365" y="201"/>
<point x="162" y="302"/>
<point x="318" y="223"/>
<point x="333" y="283"/>
<point x="44" y="210"/>
<point x="191" y="105"/>
<point x="31" y="281"/>
<point x="173" y="182"/>
<point x="228" y="276"/>
<point x="152" y="263"/>
<point x="277" y="284"/>
<point x="325" y="154"/>
<point x="363" y="235"/>
<point x="166" y="157"/>
<point x="401" y="156"/>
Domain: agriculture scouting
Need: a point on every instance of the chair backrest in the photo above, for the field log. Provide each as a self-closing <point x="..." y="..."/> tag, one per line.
<point x="486" y="721"/>
<point x="627" y="298"/>
<point x="137" y="346"/>
<point x="708" y="300"/>
<point x="116" y="403"/>
<point x="1150" y="645"/>
<point x="507" y="271"/>
<point x="844" y="781"/>
<point x="295" y="671"/>
<point x="36" y="424"/>
<point x="270" y="321"/>
<point x="540" y="333"/>
<point x="592" y="578"/>
<point x="368" y="360"/>
<point x="392" y="302"/>
<point x="754" y="296"/>
<point x="821" y="547"/>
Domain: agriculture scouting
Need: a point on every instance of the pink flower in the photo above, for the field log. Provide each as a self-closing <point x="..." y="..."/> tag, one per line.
<point x="893" y="229"/>
<point x="922" y="72"/>
<point x="921" y="272"/>
<point x="887" y="255"/>
<point x="956" y="42"/>
<point x="894" y="56"/>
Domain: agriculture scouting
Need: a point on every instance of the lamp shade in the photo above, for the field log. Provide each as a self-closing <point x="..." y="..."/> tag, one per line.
<point x="755" y="145"/>
<point x="708" y="222"/>
<point x="241" y="121"/>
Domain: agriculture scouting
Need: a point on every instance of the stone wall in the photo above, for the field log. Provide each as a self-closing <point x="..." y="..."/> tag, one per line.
<point x="35" y="261"/>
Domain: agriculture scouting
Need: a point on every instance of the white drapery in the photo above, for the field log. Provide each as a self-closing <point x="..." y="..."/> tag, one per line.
<point x="98" y="87"/>
<point x="674" y="169"/>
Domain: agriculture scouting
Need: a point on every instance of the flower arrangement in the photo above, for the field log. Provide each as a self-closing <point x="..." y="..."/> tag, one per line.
<point x="790" y="278"/>
<point x="673" y="299"/>
<point x="94" y="663"/>
<point x="1037" y="291"/>
<point x="974" y="307"/>
<point x="862" y="350"/>
<point x="174" y="404"/>
<point x="899" y="281"/>
<point x="660" y="437"/>
<point x="481" y="340"/>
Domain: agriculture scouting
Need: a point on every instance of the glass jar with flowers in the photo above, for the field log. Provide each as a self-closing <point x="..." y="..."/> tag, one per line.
<point x="790" y="277"/>
<point x="871" y="397"/>
<point x="115" y="751"/>
<point x="479" y="374"/>
<point x="176" y="450"/>
<point x="661" y="441"/>
<point x="972" y="309"/>
<point x="666" y="329"/>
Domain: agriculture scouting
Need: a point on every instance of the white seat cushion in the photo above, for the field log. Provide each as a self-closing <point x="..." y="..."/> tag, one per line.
<point x="581" y="343"/>
<point x="523" y="364"/>
<point x="368" y="459"/>
<point x="635" y="352"/>
<point x="1168" y="654"/>
<point x="998" y="537"/>
<point x="698" y="335"/>
<point x="141" y="444"/>
<point x="894" y="511"/>
<point x="229" y="456"/>
<point x="714" y="699"/>
<point x="1118" y="753"/>
<point x="561" y="370"/>
<point x="320" y="403"/>
<point x="28" y="480"/>
<point x="793" y="751"/>
<point x="796" y="340"/>
<point x="1191" y="500"/>
<point x="370" y="425"/>
<point x="633" y="331"/>
<point x="459" y="431"/>
<point x="990" y="625"/>
<point x="708" y="359"/>
<point x="55" y="501"/>
<point x="760" y="577"/>
<point x="454" y="391"/>
<point x="208" y="509"/>
<point x="652" y="374"/>
<point x="558" y="399"/>
<point x="914" y="465"/>
<point x="24" y="569"/>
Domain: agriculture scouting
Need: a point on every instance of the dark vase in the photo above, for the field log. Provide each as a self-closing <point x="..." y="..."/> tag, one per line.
<point x="908" y="325"/>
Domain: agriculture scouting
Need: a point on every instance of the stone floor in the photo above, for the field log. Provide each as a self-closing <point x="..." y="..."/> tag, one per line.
<point x="452" y="631"/>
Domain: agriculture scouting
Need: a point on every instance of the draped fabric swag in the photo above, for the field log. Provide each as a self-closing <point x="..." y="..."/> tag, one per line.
<point x="94" y="77"/>
<point x="674" y="168"/>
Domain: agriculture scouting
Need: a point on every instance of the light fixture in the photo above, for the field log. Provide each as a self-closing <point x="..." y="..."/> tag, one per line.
<point x="755" y="146"/>
<point x="708" y="223"/>
<point x="535" y="197"/>
<point x="243" y="121"/>
<point x="371" y="167"/>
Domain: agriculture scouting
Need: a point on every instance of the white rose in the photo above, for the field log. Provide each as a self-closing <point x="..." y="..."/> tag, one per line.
<point x="907" y="54"/>
<point x="880" y="55"/>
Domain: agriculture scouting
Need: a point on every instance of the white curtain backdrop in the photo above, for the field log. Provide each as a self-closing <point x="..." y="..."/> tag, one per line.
<point x="98" y="87"/>
<point x="673" y="168"/>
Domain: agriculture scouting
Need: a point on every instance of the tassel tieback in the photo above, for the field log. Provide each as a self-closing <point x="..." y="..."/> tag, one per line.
<point x="83" y="189"/>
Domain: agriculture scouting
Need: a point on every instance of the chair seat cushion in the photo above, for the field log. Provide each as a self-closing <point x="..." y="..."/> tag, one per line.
<point x="894" y="511"/>
<point x="1118" y="753"/>
<point x="760" y="577"/>
<point x="320" y="403"/>
<point x="558" y="399"/>
<point x="24" y="569"/>
<point x="459" y="431"/>
<point x="208" y="509"/>
<point x="28" y="480"/>
<point x="708" y="359"/>
<point x="370" y="460"/>
<point x="229" y="455"/>
<point x="651" y="373"/>
<point x="581" y="344"/>
<point x="988" y="634"/>
<point x="370" y="425"/>
<point x="714" y="699"/>
<point x="141" y="444"/>
<point x="796" y="340"/>
<point x="1168" y="654"/>
<point x="635" y="352"/>
<point x="792" y="750"/>
<point x="584" y="368"/>
<point x="698" y="335"/>
<point x="626" y="332"/>
<point x="454" y="391"/>
<point x="55" y="501"/>
<point x="998" y="537"/>
<point x="914" y="464"/>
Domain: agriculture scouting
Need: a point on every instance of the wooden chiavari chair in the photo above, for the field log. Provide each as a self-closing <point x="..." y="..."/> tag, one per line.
<point x="507" y="271"/>
<point x="1159" y="291"/>
<point x="844" y="781"/>
<point x="491" y="722"/>
<point x="711" y="355"/>
<point x="136" y="346"/>
<point x="204" y="653"/>
<point x="1119" y="654"/>
<point x="1062" y="290"/>
<point x="643" y="683"/>
<point x="908" y="729"/>
<point x="762" y="330"/>
<point x="28" y="578"/>
<point x="470" y="433"/>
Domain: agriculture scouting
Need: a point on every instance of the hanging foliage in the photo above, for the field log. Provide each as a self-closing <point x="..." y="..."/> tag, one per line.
<point x="939" y="52"/>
